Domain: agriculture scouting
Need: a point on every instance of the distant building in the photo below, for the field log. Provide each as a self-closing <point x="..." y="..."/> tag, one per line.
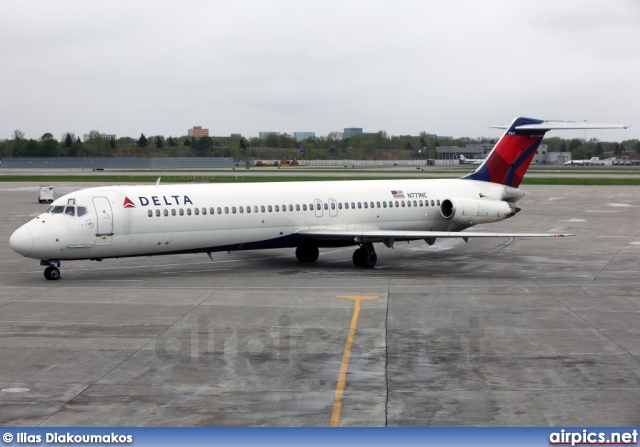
<point x="198" y="131"/>
<point x="301" y="136"/>
<point x="264" y="135"/>
<point x="104" y="136"/>
<point x="236" y="135"/>
<point x="351" y="131"/>
<point x="438" y="137"/>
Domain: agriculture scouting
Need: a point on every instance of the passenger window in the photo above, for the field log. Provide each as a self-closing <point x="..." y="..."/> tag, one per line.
<point x="297" y="207"/>
<point x="318" y="206"/>
<point x="397" y="204"/>
<point x="290" y="207"/>
<point x="188" y="211"/>
<point x="414" y="203"/>
<point x="149" y="213"/>
<point x="70" y="210"/>
<point x="233" y="209"/>
<point x="359" y="205"/>
<point x="333" y="206"/>
<point x="255" y="208"/>
<point x="82" y="211"/>
<point x="262" y="208"/>
<point x="284" y="208"/>
<point x="219" y="210"/>
<point x="270" y="209"/>
<point x="181" y="212"/>
<point x="204" y="211"/>
<point x="438" y="203"/>
<point x="339" y="205"/>
<point x="346" y="205"/>
<point x="173" y="212"/>
<point x="409" y="203"/>
<point x="433" y="204"/>
<point x="371" y="204"/>
<point x="377" y="204"/>
<point x="384" y="204"/>
<point x="326" y="207"/>
<point x="165" y="212"/>
<point x="304" y="207"/>
<point x="248" y="209"/>
<point x="353" y="206"/>
<point x="226" y="210"/>
<point x="277" y="208"/>
<point x="157" y="213"/>
<point x="196" y="211"/>
<point x="366" y="205"/>
<point x="241" y="209"/>
<point x="311" y="207"/>
<point x="211" y="210"/>
<point x="390" y="204"/>
<point x="420" y="202"/>
<point x="402" y="203"/>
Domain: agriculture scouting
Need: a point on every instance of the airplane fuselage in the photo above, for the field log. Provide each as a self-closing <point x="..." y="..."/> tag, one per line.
<point x="122" y="221"/>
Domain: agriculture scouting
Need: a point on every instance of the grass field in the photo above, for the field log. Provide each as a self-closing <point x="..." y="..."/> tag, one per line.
<point x="277" y="177"/>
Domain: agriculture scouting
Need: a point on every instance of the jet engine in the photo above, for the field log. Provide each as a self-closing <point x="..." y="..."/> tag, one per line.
<point x="472" y="211"/>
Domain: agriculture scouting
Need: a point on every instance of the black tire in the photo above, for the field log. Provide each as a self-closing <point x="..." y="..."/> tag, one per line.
<point x="364" y="260"/>
<point x="307" y="254"/>
<point x="52" y="273"/>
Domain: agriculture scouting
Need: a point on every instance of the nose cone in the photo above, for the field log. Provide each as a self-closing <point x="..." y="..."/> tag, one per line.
<point x="22" y="241"/>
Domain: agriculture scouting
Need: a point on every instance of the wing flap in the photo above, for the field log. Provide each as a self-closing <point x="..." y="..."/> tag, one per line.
<point x="382" y="235"/>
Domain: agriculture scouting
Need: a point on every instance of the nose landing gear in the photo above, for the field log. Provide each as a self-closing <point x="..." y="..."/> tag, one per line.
<point x="52" y="272"/>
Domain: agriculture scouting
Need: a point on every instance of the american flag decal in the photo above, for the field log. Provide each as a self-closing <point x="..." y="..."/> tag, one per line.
<point x="128" y="203"/>
<point x="397" y="194"/>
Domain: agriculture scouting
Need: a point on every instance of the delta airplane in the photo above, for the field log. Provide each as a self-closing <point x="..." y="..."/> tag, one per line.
<point x="470" y="161"/>
<point x="124" y="221"/>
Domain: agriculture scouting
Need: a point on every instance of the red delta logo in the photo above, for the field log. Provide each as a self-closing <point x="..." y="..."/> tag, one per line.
<point x="128" y="203"/>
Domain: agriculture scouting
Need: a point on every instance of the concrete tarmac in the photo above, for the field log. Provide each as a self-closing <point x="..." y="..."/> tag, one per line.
<point x="501" y="332"/>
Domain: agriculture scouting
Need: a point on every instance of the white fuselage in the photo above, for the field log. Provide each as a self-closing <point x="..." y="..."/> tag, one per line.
<point x="122" y="221"/>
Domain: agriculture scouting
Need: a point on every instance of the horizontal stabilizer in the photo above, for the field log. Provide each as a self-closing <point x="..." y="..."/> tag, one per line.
<point x="564" y="125"/>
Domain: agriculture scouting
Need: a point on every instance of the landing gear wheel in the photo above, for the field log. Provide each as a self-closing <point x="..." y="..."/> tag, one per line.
<point x="363" y="259"/>
<point x="307" y="254"/>
<point x="52" y="273"/>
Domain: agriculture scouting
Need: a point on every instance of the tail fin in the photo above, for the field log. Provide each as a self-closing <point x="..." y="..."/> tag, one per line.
<point x="511" y="156"/>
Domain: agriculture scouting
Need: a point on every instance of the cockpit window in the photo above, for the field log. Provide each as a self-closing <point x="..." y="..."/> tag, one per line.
<point x="70" y="210"/>
<point x="82" y="211"/>
<point x="48" y="210"/>
<point x="57" y="210"/>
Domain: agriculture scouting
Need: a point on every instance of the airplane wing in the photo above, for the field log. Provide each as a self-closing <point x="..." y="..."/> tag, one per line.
<point x="361" y="236"/>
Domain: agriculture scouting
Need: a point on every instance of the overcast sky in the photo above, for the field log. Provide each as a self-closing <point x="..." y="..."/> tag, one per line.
<point x="242" y="66"/>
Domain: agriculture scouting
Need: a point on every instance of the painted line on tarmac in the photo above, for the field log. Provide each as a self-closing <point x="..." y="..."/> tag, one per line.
<point x="342" y="376"/>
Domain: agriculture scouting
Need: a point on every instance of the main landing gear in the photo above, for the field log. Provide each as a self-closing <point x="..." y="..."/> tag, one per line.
<point x="52" y="272"/>
<point x="307" y="254"/>
<point x="365" y="256"/>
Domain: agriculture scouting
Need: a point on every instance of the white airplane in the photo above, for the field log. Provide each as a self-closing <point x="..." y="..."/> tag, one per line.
<point x="470" y="161"/>
<point x="124" y="221"/>
<point x="591" y="161"/>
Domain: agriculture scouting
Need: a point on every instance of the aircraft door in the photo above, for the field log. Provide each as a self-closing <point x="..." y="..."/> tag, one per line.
<point x="318" y="207"/>
<point x="333" y="207"/>
<point x="104" y="216"/>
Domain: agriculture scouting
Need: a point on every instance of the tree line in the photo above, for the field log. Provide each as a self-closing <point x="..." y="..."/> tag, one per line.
<point x="377" y="145"/>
